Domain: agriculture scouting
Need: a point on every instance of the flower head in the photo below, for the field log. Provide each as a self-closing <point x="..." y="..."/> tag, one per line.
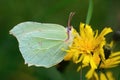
<point x="88" y="50"/>
<point x="87" y="45"/>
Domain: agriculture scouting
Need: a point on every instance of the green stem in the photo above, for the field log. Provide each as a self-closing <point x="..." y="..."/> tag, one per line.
<point x="89" y="13"/>
<point x="81" y="73"/>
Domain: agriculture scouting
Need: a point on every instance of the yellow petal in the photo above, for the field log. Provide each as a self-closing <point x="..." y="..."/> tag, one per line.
<point x="86" y="59"/>
<point x="96" y="34"/>
<point x="96" y="58"/>
<point x="105" y="31"/>
<point x="68" y="56"/>
<point x="80" y="59"/>
<point x="111" y="43"/>
<point x="101" y="37"/>
<point x="92" y="63"/>
<point x="90" y="73"/>
<point x="116" y="63"/>
<point x="115" y="54"/>
<point x="80" y="67"/>
<point x="112" y="62"/>
<point x="96" y="76"/>
<point x="86" y="31"/>
<point x="110" y="76"/>
<point x="82" y="33"/>
<point x="102" y="76"/>
<point x="89" y="32"/>
<point x="117" y="58"/>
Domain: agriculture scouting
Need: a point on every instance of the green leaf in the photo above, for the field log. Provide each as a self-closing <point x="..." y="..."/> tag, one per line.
<point x="41" y="43"/>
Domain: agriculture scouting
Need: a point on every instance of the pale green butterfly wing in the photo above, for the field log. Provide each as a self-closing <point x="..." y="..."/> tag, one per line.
<point x="40" y="43"/>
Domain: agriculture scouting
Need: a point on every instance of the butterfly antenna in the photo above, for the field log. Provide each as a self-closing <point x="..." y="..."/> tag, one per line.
<point x="69" y="25"/>
<point x="69" y="19"/>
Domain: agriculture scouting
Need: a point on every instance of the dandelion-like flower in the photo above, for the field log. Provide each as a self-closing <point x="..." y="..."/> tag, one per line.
<point x="87" y="48"/>
<point x="111" y="61"/>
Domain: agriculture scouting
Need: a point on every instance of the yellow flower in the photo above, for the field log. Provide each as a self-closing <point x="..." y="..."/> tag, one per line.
<point x="113" y="60"/>
<point x="88" y="49"/>
<point x="87" y="46"/>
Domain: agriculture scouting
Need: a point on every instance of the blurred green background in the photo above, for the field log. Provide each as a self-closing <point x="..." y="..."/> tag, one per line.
<point x="12" y="12"/>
